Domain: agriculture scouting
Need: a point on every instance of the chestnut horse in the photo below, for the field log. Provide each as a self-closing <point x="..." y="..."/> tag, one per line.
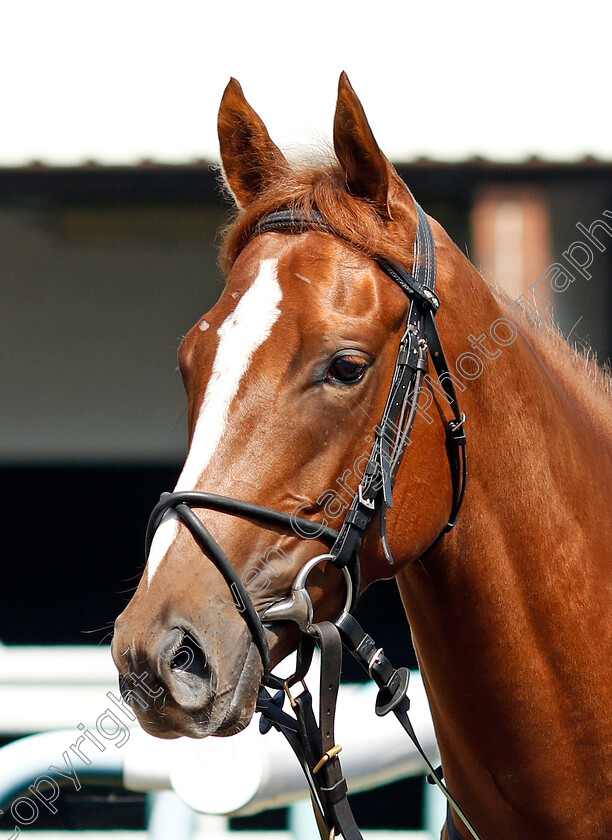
<point x="287" y="377"/>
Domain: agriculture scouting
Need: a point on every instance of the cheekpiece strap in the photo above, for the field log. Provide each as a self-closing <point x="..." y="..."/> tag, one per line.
<point x="393" y="432"/>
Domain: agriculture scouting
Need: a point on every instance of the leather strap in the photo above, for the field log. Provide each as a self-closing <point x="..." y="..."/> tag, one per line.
<point x="245" y="606"/>
<point x="393" y="697"/>
<point x="183" y="502"/>
<point x="235" y="507"/>
<point x="393" y="433"/>
<point x="311" y="741"/>
<point x="456" y="437"/>
<point x="333" y="788"/>
<point x="314" y="742"/>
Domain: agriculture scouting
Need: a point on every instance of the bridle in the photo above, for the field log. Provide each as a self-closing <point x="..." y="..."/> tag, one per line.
<point x="312" y="742"/>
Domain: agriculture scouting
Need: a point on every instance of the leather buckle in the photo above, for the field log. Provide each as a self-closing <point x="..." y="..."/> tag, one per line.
<point x="369" y="503"/>
<point x="327" y="756"/>
<point x="287" y="688"/>
<point x="457" y="431"/>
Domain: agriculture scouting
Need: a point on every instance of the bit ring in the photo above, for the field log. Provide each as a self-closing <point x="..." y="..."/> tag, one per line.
<point x="298" y="606"/>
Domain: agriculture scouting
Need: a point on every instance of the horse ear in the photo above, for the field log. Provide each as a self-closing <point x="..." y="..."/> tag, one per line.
<point x="369" y="174"/>
<point x="251" y="161"/>
<point x="367" y="169"/>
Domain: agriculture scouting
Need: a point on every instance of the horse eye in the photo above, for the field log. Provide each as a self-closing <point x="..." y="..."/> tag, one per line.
<point x="347" y="369"/>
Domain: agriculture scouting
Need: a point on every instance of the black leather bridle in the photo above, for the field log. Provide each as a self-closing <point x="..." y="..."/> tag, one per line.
<point x="312" y="742"/>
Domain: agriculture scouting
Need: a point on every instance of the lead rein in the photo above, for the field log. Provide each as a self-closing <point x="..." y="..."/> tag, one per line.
<point x="314" y="745"/>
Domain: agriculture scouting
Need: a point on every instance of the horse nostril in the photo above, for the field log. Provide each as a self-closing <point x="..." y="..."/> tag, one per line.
<point x="189" y="658"/>
<point x="170" y="644"/>
<point x="184" y="668"/>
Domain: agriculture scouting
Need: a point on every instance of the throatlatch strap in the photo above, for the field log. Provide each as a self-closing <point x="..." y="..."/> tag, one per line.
<point x="456" y="428"/>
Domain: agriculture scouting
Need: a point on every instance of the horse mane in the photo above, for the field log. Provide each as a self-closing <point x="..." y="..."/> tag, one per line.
<point x="575" y="366"/>
<point x="322" y="187"/>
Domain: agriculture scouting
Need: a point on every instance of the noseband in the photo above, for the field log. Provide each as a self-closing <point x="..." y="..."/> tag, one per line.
<point x="312" y="742"/>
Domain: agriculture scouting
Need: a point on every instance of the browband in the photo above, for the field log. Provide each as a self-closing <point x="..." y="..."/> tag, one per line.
<point x="421" y="285"/>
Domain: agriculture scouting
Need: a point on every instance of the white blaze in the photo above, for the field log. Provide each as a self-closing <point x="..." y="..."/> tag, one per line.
<point x="240" y="335"/>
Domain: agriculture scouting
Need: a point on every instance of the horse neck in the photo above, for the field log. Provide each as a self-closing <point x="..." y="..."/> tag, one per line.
<point x="509" y="612"/>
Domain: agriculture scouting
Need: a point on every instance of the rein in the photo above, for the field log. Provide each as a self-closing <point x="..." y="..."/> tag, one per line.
<point x="312" y="742"/>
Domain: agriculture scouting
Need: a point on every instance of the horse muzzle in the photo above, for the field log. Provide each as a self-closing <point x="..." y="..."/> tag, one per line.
<point x="177" y="684"/>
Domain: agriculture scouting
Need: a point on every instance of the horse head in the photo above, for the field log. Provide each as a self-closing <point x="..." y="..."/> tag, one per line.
<point x="287" y="378"/>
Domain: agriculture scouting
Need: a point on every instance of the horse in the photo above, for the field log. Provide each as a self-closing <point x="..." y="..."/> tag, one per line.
<point x="287" y="378"/>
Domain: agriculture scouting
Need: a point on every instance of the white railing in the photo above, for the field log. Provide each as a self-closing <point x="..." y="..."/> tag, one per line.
<point x="67" y="693"/>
